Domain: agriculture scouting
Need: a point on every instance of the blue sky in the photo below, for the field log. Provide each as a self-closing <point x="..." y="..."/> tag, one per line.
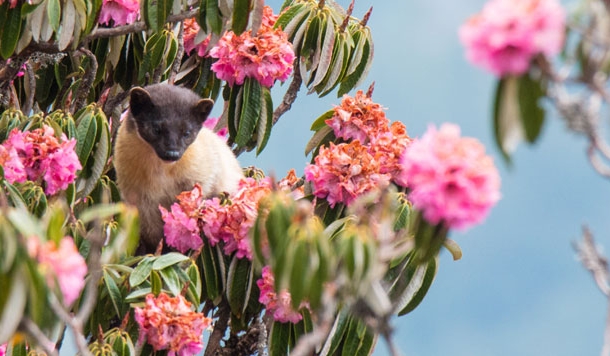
<point x="519" y="289"/>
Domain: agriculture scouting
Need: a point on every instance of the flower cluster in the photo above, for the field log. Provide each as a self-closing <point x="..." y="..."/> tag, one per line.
<point x="277" y="304"/>
<point x="230" y="220"/>
<point x="289" y="184"/>
<point x="451" y="178"/>
<point x="38" y="155"/>
<point x="266" y="57"/>
<point x="505" y="36"/>
<point x="191" y="29"/>
<point x="221" y="219"/>
<point x="168" y="323"/>
<point x="60" y="263"/>
<point x="370" y="158"/>
<point x="121" y="12"/>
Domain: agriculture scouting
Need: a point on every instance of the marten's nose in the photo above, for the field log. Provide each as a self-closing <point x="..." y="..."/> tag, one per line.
<point x="171" y="155"/>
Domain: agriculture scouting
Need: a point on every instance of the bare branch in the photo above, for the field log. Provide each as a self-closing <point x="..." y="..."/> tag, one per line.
<point x="41" y="339"/>
<point x="592" y="259"/>
<point x="179" y="55"/>
<point x="291" y="93"/>
<point x="29" y="103"/>
<point x="137" y="26"/>
<point x="86" y="82"/>
<point x="220" y="327"/>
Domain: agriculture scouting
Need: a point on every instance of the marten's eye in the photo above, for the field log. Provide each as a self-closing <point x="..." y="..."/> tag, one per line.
<point x="186" y="133"/>
<point x="156" y="128"/>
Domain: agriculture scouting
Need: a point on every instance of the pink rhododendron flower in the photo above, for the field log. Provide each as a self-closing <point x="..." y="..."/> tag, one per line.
<point x="230" y="221"/>
<point x="341" y="173"/>
<point x="3" y="346"/>
<point x="358" y="118"/>
<point x="41" y="157"/>
<point x="62" y="263"/>
<point x="181" y="231"/>
<point x="451" y="178"/>
<point x="14" y="171"/>
<point x="278" y="305"/>
<point x="289" y="183"/>
<point x="191" y="29"/>
<point x="505" y="36"/>
<point x="121" y="12"/>
<point x="266" y="57"/>
<point x="387" y="147"/>
<point x="168" y="323"/>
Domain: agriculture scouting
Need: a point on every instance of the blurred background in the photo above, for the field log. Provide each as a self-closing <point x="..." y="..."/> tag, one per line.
<point x="519" y="289"/>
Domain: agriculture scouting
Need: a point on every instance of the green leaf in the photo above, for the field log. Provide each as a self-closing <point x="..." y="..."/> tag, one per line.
<point x="327" y="38"/>
<point x="278" y="339"/>
<point x="171" y="279"/>
<point x="532" y="114"/>
<point x="13" y="299"/>
<point x="138" y="294"/>
<point x="241" y="14"/>
<point x="352" y="79"/>
<point x="141" y="272"/>
<point x="210" y="270"/>
<point x="239" y="284"/>
<point x="427" y="279"/>
<point x="335" y="336"/>
<point x="168" y="259"/>
<point x="54" y="14"/>
<point x="213" y="16"/>
<point x="322" y="136"/>
<point x="265" y="123"/>
<point x="11" y="31"/>
<point x="320" y="122"/>
<point x="55" y="226"/>
<point x="86" y="131"/>
<point x="114" y="292"/>
<point x="25" y="223"/>
<point x="156" y="13"/>
<point x="156" y="285"/>
<point x="507" y="125"/>
<point x="298" y="283"/>
<point x="66" y="33"/>
<point x="249" y="112"/>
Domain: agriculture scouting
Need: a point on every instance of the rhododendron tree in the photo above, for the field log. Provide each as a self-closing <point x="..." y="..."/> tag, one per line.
<point x="317" y="263"/>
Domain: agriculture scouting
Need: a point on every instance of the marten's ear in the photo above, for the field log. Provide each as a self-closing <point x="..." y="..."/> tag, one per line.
<point x="203" y="108"/>
<point x="139" y="101"/>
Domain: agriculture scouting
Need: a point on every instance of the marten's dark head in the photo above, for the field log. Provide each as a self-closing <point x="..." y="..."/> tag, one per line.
<point x="168" y="117"/>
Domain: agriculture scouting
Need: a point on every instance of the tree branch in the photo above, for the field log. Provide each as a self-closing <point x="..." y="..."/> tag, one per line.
<point x="86" y="82"/>
<point x="220" y="328"/>
<point x="42" y="340"/>
<point x="291" y="93"/>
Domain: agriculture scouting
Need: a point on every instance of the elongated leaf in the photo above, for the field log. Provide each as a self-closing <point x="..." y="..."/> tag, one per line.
<point x="287" y="16"/>
<point x="321" y="136"/>
<point x="114" y="292"/>
<point x="11" y="31"/>
<point x="13" y="298"/>
<point x="210" y="273"/>
<point x="171" y="279"/>
<point x="85" y="137"/>
<point x="68" y="19"/>
<point x="239" y="284"/>
<point x="419" y="295"/>
<point x="213" y="16"/>
<point x="141" y="272"/>
<point x="250" y="111"/>
<point x="54" y="14"/>
<point x="168" y="259"/>
<point x="352" y="79"/>
<point x="532" y="114"/>
<point x="156" y="285"/>
<point x="335" y="336"/>
<point x="265" y="122"/>
<point x="278" y="339"/>
<point x="326" y="51"/>
<point x="241" y="14"/>
<point x="507" y="123"/>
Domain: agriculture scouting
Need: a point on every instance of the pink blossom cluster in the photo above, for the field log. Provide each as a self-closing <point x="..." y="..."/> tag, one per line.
<point x="60" y="263"/>
<point x="277" y="304"/>
<point x="39" y="156"/>
<point x="230" y="220"/>
<point x="121" y="12"/>
<point x="266" y="56"/>
<point x="226" y="220"/>
<point x="507" y="34"/>
<point x="3" y="346"/>
<point x="191" y="29"/>
<point x="451" y="178"/>
<point x="168" y="323"/>
<point x="289" y="184"/>
<point x="370" y="157"/>
<point x="181" y="228"/>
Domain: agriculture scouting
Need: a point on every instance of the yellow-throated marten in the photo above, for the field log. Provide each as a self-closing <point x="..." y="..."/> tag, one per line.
<point x="162" y="149"/>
